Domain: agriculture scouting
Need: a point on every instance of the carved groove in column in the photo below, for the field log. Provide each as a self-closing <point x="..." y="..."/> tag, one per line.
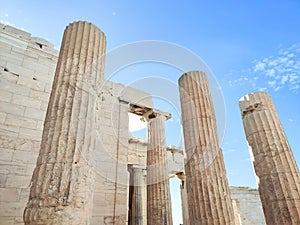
<point x="207" y="187"/>
<point x="159" y="209"/>
<point x="137" y="183"/>
<point x="184" y="201"/>
<point x="274" y="163"/>
<point x="62" y="182"/>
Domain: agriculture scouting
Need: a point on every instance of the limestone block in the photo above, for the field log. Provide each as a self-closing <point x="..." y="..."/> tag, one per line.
<point x="11" y="40"/>
<point x="31" y="134"/>
<point x="135" y="96"/>
<point x="41" y="41"/>
<point x="15" y="32"/>
<point x="48" y="88"/>
<point x="6" y="155"/>
<point x="30" y="166"/>
<point x="5" y="96"/>
<point x="7" y="142"/>
<point x="2" y="181"/>
<point x="27" y="145"/>
<point x="18" y="121"/>
<point x="23" y="81"/>
<point x="9" y="130"/>
<point x="2" y="117"/>
<point x="18" y="181"/>
<point x="9" y="195"/>
<point x="19" y="70"/>
<point x="16" y="50"/>
<point x="24" y="194"/>
<point x="8" y="83"/>
<point x="44" y="106"/>
<point x="4" y="220"/>
<point x="6" y="56"/>
<point x="26" y="101"/>
<point x="34" y="113"/>
<point x="13" y="109"/>
<point x="41" y="95"/>
<point x="11" y="208"/>
<point x="48" y="60"/>
<point x="5" y="48"/>
<point x="40" y="125"/>
<point x="24" y="157"/>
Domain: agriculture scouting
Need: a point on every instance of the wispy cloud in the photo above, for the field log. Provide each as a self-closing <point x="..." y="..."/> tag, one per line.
<point x="275" y="72"/>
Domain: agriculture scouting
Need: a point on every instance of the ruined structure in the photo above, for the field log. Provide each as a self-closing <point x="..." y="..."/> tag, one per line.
<point x="207" y="188"/>
<point x="27" y="67"/>
<point x="274" y="164"/>
<point x="118" y="161"/>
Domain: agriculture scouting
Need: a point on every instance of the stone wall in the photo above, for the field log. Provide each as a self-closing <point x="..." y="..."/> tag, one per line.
<point x="248" y="206"/>
<point x="112" y="158"/>
<point x="27" y="66"/>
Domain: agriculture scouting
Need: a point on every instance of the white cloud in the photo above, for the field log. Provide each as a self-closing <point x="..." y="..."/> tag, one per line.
<point x="262" y="89"/>
<point x="280" y="71"/>
<point x="284" y="79"/>
<point x="272" y="83"/>
<point x="259" y="66"/>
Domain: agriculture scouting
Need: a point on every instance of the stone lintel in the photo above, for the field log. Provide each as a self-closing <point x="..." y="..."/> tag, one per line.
<point x="174" y="149"/>
<point x="137" y="140"/>
<point x="145" y="111"/>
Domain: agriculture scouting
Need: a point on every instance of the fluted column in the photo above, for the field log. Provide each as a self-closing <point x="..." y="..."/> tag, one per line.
<point x="207" y="187"/>
<point x="136" y="195"/>
<point x="184" y="200"/>
<point x="274" y="164"/>
<point x="63" y="180"/>
<point x="159" y="211"/>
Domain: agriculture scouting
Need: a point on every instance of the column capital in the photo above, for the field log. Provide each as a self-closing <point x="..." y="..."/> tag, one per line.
<point x="155" y="113"/>
<point x="136" y="167"/>
<point x="181" y="176"/>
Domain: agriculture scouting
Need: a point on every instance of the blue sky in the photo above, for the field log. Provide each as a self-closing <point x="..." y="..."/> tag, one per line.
<point x="249" y="46"/>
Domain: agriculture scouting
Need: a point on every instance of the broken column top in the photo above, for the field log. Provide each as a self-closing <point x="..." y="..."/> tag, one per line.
<point x="192" y="73"/>
<point x="256" y="101"/>
<point x="85" y="22"/>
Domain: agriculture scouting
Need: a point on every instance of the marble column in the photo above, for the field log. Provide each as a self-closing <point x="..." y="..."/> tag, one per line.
<point x="159" y="211"/>
<point x="63" y="180"/>
<point x="207" y="187"/>
<point x="136" y="195"/>
<point x="184" y="200"/>
<point x="274" y="163"/>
